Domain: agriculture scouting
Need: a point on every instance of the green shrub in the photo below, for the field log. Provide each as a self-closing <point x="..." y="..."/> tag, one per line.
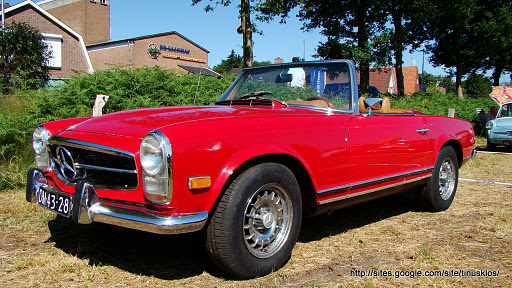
<point x="436" y="103"/>
<point x="128" y="89"/>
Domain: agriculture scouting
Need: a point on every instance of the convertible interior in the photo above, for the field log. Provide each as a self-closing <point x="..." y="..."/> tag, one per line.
<point x="324" y="103"/>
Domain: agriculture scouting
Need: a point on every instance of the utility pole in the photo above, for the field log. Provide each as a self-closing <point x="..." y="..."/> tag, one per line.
<point x="304" y="52"/>
<point x="3" y="17"/>
<point x="422" y="69"/>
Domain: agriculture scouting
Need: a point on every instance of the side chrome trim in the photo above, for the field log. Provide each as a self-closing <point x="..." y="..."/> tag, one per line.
<point x="376" y="180"/>
<point x="57" y="140"/>
<point x="343" y="197"/>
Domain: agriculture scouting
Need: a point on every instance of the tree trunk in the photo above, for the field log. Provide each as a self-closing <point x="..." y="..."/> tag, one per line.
<point x="362" y="42"/>
<point x="458" y="82"/>
<point x="396" y="14"/>
<point x="498" y="70"/>
<point x="245" y="16"/>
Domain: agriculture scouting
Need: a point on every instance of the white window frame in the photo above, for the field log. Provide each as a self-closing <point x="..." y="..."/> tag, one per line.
<point x="54" y="43"/>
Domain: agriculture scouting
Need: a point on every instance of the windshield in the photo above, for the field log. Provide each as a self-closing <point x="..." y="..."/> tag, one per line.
<point x="324" y="85"/>
<point x="505" y="111"/>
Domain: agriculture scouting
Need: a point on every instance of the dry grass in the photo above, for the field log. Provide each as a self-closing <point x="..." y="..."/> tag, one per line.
<point x="38" y="249"/>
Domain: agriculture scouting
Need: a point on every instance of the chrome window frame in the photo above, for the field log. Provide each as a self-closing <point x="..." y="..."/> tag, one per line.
<point x="353" y="83"/>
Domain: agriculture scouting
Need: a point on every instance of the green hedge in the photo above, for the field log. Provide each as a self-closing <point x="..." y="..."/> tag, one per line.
<point x="127" y="88"/>
<point x="436" y="103"/>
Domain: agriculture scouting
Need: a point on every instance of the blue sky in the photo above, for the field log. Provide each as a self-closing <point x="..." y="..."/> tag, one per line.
<point x="216" y="31"/>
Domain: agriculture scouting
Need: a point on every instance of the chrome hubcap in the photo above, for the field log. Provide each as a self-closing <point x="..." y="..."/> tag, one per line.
<point x="267" y="220"/>
<point x="446" y="179"/>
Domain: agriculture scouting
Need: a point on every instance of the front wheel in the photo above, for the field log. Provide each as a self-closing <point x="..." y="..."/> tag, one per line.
<point x="254" y="228"/>
<point x="438" y="193"/>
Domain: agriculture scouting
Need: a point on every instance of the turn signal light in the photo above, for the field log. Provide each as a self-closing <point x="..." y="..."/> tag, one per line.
<point x="202" y="182"/>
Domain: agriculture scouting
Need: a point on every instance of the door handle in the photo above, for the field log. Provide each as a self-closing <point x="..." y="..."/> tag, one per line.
<point x="421" y="131"/>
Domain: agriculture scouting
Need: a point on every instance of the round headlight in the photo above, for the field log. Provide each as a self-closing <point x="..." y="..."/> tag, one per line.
<point x="151" y="154"/>
<point x="39" y="140"/>
<point x="488" y="125"/>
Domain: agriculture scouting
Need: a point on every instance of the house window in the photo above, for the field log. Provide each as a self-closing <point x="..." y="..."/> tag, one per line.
<point x="104" y="2"/>
<point x="93" y="1"/>
<point x="54" y="46"/>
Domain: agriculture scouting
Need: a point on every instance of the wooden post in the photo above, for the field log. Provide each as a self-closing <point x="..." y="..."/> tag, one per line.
<point x="451" y="112"/>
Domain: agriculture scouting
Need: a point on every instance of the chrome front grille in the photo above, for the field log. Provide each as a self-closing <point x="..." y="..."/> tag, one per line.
<point x="101" y="166"/>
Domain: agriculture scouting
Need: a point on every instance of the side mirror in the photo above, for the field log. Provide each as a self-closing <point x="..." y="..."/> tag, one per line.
<point x="372" y="104"/>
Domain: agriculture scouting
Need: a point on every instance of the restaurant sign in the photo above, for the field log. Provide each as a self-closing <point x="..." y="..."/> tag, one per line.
<point x="154" y="51"/>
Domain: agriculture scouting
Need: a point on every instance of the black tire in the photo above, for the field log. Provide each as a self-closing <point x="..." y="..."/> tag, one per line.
<point x="438" y="193"/>
<point x="490" y="146"/>
<point x="253" y="193"/>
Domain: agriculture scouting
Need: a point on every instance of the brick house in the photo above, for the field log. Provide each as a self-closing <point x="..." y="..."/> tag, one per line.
<point x="67" y="46"/>
<point x="78" y="31"/>
<point x="384" y="79"/>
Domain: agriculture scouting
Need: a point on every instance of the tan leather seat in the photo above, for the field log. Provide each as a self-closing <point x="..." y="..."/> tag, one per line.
<point x="361" y="105"/>
<point x="316" y="103"/>
<point x="386" y="107"/>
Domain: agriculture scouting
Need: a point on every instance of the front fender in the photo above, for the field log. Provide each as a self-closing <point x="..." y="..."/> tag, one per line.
<point x="237" y="160"/>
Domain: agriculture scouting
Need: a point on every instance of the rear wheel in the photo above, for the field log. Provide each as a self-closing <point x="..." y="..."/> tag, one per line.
<point x="438" y="193"/>
<point x="254" y="228"/>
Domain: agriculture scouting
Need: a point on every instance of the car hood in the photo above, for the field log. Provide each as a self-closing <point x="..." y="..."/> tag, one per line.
<point x="503" y="122"/>
<point x="137" y="123"/>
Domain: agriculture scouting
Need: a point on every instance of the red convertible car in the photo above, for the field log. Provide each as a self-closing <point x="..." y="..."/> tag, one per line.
<point x="284" y="141"/>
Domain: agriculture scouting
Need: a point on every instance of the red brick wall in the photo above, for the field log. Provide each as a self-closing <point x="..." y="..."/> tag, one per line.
<point x="89" y="19"/>
<point x="73" y="57"/>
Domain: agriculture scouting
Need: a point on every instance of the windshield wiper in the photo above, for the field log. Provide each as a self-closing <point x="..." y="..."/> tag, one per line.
<point x="254" y="94"/>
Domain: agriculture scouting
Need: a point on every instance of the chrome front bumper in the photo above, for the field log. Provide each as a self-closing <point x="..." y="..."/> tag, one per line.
<point x="87" y="208"/>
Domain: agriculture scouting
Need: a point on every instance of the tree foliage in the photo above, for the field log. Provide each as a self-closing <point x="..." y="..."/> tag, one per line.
<point x="466" y="35"/>
<point x="477" y="86"/>
<point x="497" y="31"/>
<point x="354" y="29"/>
<point x="23" y="58"/>
<point x="232" y="61"/>
<point x="235" y="61"/>
<point x="409" y="19"/>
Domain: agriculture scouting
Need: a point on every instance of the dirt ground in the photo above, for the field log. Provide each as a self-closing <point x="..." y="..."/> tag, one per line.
<point x="388" y="238"/>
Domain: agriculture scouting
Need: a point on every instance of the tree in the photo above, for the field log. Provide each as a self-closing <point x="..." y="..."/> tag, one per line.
<point x="457" y="42"/>
<point x="354" y="29"/>
<point x="23" y="57"/>
<point x="235" y="61"/>
<point x="246" y="28"/>
<point x="478" y="86"/>
<point x="498" y="38"/>
<point x="232" y="61"/>
<point x="409" y="19"/>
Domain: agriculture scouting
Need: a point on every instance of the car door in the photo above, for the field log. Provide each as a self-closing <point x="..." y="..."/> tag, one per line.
<point x="386" y="148"/>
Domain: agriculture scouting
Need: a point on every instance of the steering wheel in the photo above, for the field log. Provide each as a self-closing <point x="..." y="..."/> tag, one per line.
<point x="329" y="104"/>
